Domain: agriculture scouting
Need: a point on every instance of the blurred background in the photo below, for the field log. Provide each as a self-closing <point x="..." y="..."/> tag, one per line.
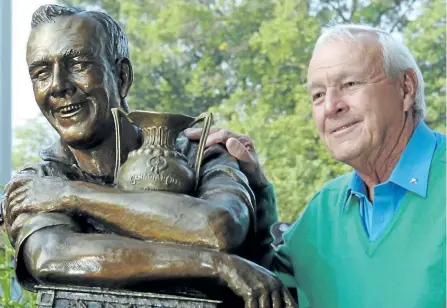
<point x="244" y="60"/>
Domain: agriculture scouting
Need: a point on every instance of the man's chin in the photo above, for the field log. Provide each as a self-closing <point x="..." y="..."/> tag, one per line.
<point x="345" y="154"/>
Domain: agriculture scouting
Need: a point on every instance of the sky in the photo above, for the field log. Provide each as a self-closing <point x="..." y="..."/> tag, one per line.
<point x="24" y="106"/>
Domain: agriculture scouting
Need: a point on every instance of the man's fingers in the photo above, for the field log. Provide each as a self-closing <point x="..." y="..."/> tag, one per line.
<point x="196" y="133"/>
<point x="193" y="133"/>
<point x="221" y="136"/>
<point x="238" y="150"/>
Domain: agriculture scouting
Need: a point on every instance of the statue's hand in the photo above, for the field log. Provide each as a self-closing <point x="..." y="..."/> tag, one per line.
<point x="33" y="194"/>
<point x="257" y="286"/>
<point x="240" y="146"/>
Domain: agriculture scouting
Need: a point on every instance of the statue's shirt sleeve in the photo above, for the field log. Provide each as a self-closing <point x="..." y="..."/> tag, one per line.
<point x="25" y="225"/>
<point x="221" y="173"/>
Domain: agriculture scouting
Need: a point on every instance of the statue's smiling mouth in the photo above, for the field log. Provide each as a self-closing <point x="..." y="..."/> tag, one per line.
<point x="70" y="110"/>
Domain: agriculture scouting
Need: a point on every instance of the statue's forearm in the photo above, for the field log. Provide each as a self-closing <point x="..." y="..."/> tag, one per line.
<point x="221" y="224"/>
<point x="53" y="255"/>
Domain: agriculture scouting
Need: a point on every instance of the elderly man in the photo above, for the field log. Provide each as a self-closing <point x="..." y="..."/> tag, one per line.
<point x="374" y="237"/>
<point x="67" y="221"/>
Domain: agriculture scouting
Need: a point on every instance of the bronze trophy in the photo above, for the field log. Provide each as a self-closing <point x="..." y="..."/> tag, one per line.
<point x="157" y="165"/>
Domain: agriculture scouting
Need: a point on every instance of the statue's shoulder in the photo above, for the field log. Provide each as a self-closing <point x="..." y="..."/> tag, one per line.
<point x="56" y="161"/>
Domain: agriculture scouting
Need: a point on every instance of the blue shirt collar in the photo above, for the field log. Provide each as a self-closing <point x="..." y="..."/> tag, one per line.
<point x="411" y="171"/>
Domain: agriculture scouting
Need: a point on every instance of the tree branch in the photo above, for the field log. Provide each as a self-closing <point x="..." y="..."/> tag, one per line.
<point x="337" y="9"/>
<point x="399" y="19"/>
<point x="354" y="9"/>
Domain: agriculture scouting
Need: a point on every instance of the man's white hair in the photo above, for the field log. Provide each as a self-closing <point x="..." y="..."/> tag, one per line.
<point x="395" y="56"/>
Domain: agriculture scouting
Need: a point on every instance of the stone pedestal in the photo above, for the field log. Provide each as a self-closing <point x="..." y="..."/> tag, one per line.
<point x="78" y="297"/>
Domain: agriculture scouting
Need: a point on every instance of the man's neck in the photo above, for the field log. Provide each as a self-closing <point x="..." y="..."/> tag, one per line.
<point x="378" y="168"/>
<point x="101" y="160"/>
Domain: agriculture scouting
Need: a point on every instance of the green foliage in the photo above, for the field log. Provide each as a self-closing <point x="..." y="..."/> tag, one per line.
<point x="29" y="139"/>
<point x="428" y="46"/>
<point x="246" y="61"/>
<point x="6" y="275"/>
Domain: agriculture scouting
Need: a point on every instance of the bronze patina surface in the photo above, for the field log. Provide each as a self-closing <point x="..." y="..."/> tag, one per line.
<point x="157" y="165"/>
<point x="69" y="222"/>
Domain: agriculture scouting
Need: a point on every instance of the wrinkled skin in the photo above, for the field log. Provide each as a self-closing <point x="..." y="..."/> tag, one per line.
<point x="69" y="68"/>
<point x="240" y="146"/>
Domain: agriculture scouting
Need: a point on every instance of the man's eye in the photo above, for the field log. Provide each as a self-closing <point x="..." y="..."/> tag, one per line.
<point x="317" y="96"/>
<point x="350" y="83"/>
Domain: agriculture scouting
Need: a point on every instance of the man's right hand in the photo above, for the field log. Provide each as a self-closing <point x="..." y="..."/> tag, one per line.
<point x="258" y="287"/>
<point x="239" y="146"/>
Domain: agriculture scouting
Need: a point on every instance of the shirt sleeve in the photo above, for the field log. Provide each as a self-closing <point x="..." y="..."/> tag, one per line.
<point x="220" y="173"/>
<point x="30" y="226"/>
<point x="282" y="265"/>
<point x="267" y="216"/>
<point x="25" y="225"/>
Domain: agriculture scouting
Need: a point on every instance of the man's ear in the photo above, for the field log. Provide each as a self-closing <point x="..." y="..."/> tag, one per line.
<point x="125" y="76"/>
<point x="410" y="85"/>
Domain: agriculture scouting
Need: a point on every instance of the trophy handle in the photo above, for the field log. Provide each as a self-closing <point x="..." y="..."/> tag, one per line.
<point x="116" y="112"/>
<point x="207" y="117"/>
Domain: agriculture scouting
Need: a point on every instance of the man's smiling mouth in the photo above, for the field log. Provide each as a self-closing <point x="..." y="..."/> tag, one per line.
<point x="344" y="127"/>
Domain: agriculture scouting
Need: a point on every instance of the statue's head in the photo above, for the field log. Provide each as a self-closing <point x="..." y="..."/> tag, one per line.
<point x="79" y="66"/>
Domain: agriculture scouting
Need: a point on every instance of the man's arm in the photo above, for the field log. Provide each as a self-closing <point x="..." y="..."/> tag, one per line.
<point x="242" y="148"/>
<point x="59" y="253"/>
<point x="219" y="222"/>
<point x="219" y="217"/>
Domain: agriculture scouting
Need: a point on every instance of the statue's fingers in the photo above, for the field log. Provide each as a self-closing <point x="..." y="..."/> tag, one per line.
<point x="17" y="192"/>
<point x="289" y="302"/>
<point x="16" y="207"/>
<point x="251" y="302"/>
<point x="276" y="299"/>
<point x="15" y="184"/>
<point x="264" y="301"/>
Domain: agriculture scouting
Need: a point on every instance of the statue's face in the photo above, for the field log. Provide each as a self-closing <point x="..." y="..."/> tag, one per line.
<point x="74" y="83"/>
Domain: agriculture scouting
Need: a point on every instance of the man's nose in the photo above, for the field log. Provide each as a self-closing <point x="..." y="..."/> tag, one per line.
<point x="334" y="103"/>
<point x="61" y="85"/>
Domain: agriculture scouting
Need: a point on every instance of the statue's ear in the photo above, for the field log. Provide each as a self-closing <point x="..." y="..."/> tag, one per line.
<point x="125" y="76"/>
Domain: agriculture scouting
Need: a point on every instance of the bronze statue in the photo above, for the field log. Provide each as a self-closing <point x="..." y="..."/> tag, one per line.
<point x="157" y="165"/>
<point x="68" y="221"/>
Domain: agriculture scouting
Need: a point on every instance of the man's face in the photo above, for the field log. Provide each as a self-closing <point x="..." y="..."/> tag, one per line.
<point x="74" y="83"/>
<point x="355" y="106"/>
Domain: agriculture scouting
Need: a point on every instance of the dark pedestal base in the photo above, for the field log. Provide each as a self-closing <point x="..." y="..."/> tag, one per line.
<point x="77" y="297"/>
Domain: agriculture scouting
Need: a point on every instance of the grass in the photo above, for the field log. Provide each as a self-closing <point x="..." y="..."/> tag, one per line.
<point x="26" y="299"/>
<point x="8" y="288"/>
